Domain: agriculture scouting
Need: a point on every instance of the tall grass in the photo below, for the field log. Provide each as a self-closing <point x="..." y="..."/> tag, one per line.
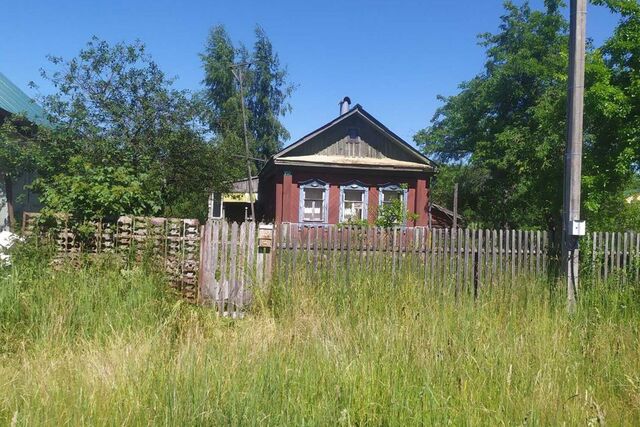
<point x="110" y="345"/>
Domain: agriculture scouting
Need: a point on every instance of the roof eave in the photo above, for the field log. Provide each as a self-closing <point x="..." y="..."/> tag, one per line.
<point x="285" y="162"/>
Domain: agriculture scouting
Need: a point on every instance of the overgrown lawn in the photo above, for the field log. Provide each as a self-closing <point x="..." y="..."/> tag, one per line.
<point x="111" y="345"/>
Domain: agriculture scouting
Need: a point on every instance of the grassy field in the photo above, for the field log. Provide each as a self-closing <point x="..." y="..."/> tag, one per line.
<point x="111" y="346"/>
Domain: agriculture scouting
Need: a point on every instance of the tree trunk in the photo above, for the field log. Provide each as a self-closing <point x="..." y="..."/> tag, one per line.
<point x="8" y="188"/>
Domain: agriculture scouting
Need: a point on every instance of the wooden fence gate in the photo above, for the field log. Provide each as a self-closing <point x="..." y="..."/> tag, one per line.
<point x="233" y="259"/>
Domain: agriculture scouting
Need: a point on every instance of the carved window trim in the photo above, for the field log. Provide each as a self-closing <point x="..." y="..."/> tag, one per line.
<point x="314" y="184"/>
<point x="357" y="186"/>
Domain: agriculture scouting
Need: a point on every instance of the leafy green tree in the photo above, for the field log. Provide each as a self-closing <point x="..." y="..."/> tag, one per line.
<point x="221" y="98"/>
<point x="268" y="98"/>
<point x="90" y="192"/>
<point x="498" y="122"/>
<point x="266" y="93"/>
<point x="115" y="101"/>
<point x="507" y="125"/>
<point x="621" y="54"/>
<point x="469" y="178"/>
<point x="629" y="219"/>
<point x="114" y="108"/>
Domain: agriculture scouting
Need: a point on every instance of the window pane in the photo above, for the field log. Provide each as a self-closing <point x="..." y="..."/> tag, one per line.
<point x="389" y="196"/>
<point x="353" y="210"/>
<point x="216" y="205"/>
<point x="313" y="204"/>
<point x="313" y="193"/>
<point x="353" y="195"/>
<point x="312" y="210"/>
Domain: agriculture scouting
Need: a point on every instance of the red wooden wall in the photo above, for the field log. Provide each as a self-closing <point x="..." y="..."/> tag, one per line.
<point x="287" y="193"/>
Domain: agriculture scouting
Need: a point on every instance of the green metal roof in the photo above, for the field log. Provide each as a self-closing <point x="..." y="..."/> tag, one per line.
<point x="15" y="101"/>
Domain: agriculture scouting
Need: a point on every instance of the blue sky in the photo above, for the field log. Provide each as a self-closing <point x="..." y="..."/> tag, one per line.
<point x="393" y="57"/>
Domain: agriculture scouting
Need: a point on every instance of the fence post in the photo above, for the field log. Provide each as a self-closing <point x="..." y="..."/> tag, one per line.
<point x="204" y="247"/>
<point x="475" y="273"/>
<point x="266" y="241"/>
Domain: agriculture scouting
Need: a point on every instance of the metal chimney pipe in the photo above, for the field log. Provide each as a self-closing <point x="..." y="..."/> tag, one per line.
<point x="344" y="105"/>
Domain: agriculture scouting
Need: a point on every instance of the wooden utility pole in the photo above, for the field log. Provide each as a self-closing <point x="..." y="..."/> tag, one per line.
<point x="455" y="206"/>
<point x="573" y="153"/>
<point x="236" y="69"/>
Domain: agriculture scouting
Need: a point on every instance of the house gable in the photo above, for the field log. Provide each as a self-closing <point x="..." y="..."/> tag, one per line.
<point x="355" y="139"/>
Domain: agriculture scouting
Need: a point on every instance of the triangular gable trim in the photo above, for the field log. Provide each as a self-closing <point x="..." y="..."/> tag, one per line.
<point x="373" y="121"/>
<point x="314" y="133"/>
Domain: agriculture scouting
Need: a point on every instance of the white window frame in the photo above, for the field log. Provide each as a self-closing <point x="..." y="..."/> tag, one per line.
<point x="395" y="188"/>
<point x="356" y="186"/>
<point x="212" y="198"/>
<point x="314" y="184"/>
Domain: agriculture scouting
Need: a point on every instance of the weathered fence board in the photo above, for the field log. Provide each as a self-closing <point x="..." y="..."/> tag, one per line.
<point x="614" y="256"/>
<point x="235" y="258"/>
<point x="462" y="260"/>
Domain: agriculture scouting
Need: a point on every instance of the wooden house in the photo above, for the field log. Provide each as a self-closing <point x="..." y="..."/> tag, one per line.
<point x="344" y="171"/>
<point x="15" y="196"/>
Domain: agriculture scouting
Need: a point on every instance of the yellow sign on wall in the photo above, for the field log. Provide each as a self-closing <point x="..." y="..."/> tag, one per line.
<point x="238" y="198"/>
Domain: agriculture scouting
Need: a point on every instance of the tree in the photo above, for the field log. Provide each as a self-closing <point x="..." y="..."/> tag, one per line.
<point x="92" y="192"/>
<point x="507" y="125"/>
<point x="469" y="178"/>
<point x="114" y="108"/>
<point x="621" y="54"/>
<point x="266" y="94"/>
<point x="221" y="98"/>
<point x="268" y="98"/>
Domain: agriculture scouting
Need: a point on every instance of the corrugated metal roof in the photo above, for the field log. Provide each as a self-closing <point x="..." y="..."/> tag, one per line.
<point x="15" y="101"/>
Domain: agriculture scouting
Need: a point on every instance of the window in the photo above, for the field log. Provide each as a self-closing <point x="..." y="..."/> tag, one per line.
<point x="354" y="200"/>
<point x="313" y="201"/>
<point x="389" y="197"/>
<point x="392" y="192"/>
<point x="215" y="206"/>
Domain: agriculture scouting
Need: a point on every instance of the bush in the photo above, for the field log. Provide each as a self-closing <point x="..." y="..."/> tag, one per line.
<point x="90" y="192"/>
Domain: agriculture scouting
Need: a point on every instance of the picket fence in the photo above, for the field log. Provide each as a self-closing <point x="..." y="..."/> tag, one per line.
<point x="222" y="264"/>
<point x="614" y="255"/>
<point x="462" y="259"/>
<point x="236" y="257"/>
